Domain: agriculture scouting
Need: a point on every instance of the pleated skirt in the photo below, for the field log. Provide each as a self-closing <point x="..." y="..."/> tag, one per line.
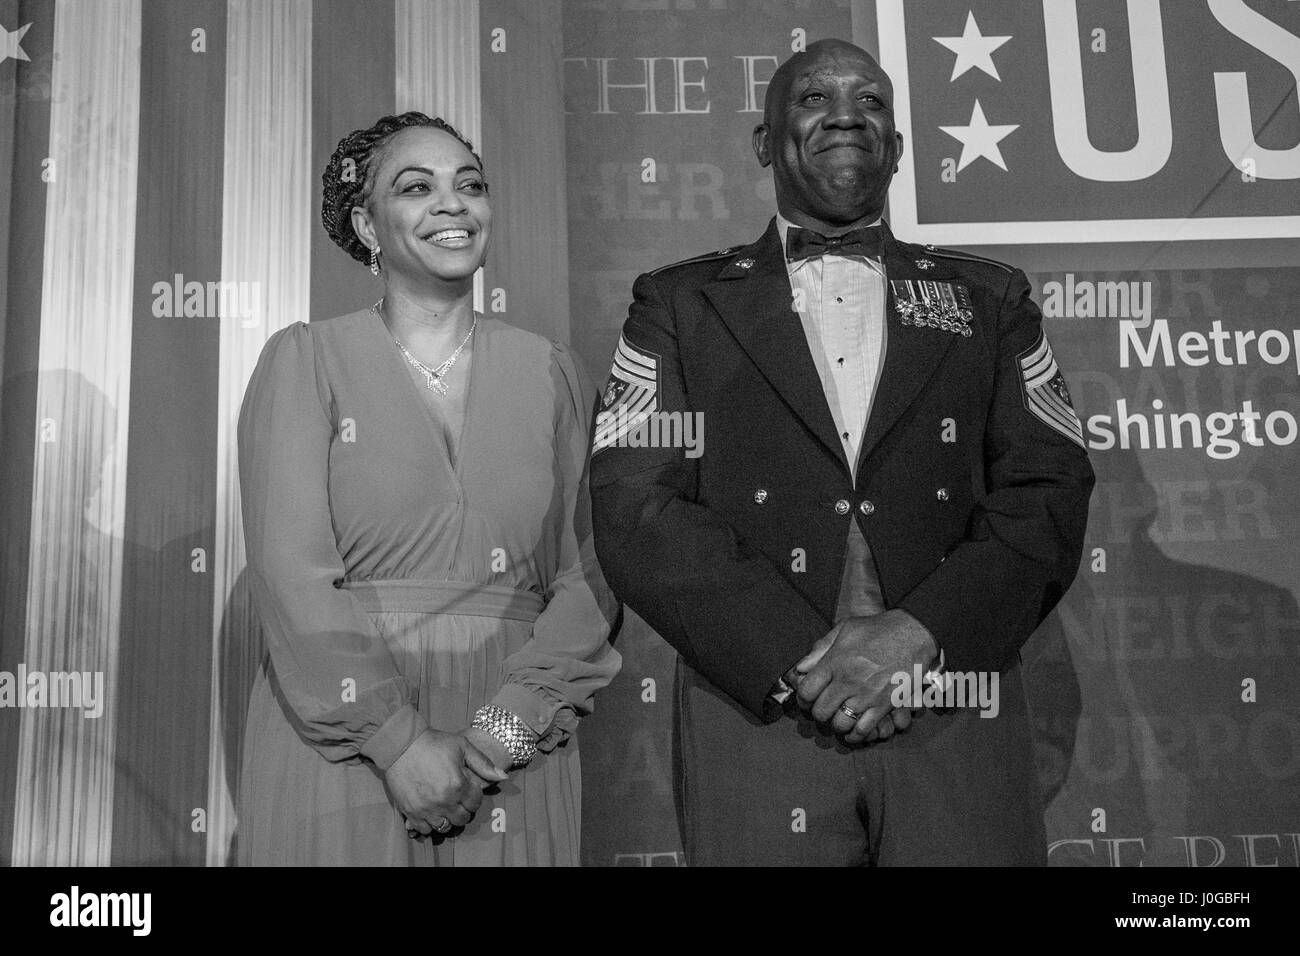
<point x="296" y="808"/>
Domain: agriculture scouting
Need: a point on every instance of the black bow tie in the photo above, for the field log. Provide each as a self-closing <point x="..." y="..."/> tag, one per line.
<point x="805" y="244"/>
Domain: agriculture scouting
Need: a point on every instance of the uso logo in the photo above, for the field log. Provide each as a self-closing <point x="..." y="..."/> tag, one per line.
<point x="1094" y="120"/>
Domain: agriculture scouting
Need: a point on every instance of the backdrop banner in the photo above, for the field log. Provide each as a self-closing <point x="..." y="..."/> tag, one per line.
<point x="159" y="197"/>
<point x="1165" y="704"/>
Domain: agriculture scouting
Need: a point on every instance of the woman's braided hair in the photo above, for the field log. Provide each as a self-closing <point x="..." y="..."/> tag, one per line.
<point x="349" y="176"/>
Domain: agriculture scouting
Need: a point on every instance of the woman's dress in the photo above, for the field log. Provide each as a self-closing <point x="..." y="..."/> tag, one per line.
<point x="403" y="580"/>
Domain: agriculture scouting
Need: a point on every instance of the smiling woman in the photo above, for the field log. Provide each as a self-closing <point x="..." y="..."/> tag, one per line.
<point x="418" y="533"/>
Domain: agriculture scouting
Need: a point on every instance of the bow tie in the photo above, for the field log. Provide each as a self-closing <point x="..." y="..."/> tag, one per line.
<point x="806" y="244"/>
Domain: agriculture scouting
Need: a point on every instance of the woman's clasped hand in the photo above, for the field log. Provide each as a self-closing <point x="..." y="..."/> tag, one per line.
<point x="438" y="782"/>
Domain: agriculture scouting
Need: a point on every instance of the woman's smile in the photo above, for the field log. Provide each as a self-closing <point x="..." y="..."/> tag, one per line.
<point x="455" y="238"/>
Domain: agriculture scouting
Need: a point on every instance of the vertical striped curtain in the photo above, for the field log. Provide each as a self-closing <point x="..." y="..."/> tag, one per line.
<point x="164" y="151"/>
<point x="65" y="775"/>
<point x="266" y="220"/>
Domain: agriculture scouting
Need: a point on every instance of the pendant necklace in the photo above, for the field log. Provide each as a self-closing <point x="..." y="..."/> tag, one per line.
<point x="433" y="377"/>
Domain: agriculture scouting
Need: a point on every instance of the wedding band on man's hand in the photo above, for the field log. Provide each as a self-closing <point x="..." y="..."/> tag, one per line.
<point x="849" y="712"/>
<point x="443" y="825"/>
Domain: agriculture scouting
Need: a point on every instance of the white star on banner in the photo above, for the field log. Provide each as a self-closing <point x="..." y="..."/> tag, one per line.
<point x="9" y="43"/>
<point x="978" y="139"/>
<point x="973" y="49"/>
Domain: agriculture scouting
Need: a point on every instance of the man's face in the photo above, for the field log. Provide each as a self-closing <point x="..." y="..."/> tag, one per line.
<point x="829" y="136"/>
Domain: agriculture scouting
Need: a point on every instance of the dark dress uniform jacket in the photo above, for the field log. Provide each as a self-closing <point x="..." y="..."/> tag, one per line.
<point x="973" y="505"/>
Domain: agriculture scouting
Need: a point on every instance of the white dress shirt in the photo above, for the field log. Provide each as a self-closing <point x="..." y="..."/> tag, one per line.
<point x="841" y="303"/>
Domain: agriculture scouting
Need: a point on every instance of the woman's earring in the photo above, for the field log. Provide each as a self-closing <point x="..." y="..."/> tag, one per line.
<point x="374" y="261"/>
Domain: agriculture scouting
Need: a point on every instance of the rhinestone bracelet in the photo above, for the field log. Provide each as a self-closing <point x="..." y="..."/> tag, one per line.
<point x="508" y="728"/>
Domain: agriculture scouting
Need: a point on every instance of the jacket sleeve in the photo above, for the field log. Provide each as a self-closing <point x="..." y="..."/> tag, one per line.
<point x="721" y="603"/>
<point x="551" y="680"/>
<point x="1025" y="535"/>
<point x="340" y="681"/>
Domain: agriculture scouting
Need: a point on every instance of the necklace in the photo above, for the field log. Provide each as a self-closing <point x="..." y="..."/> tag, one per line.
<point x="433" y="377"/>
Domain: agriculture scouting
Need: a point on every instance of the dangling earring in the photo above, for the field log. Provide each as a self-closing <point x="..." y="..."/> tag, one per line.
<point x="374" y="261"/>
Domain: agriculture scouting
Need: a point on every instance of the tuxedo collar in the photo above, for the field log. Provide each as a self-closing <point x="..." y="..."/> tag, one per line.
<point x="783" y="227"/>
<point x="753" y="297"/>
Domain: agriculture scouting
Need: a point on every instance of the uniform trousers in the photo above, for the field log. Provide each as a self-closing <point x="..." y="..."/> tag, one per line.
<point x="953" y="789"/>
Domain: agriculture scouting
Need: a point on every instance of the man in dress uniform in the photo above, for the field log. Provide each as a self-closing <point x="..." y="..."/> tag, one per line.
<point x="892" y="484"/>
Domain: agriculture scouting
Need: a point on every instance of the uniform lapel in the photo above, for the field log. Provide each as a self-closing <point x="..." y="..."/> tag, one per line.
<point x="911" y="354"/>
<point x="752" y="294"/>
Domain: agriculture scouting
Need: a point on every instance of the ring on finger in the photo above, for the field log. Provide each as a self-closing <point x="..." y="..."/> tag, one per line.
<point x="849" y="712"/>
<point x="443" y="825"/>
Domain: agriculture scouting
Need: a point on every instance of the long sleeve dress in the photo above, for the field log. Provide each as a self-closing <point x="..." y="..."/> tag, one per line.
<point x="403" y="582"/>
